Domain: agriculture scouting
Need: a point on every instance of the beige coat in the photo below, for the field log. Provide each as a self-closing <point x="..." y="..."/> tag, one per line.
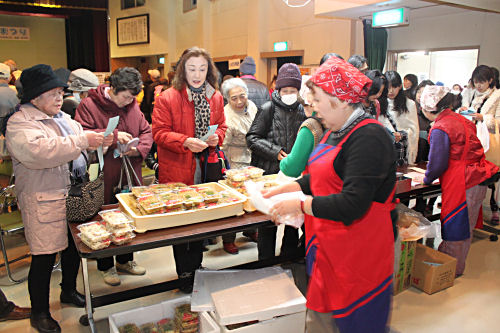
<point x="40" y="157"/>
<point x="491" y="109"/>
<point x="235" y="143"/>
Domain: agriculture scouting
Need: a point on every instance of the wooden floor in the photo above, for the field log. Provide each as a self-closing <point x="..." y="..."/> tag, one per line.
<point x="471" y="305"/>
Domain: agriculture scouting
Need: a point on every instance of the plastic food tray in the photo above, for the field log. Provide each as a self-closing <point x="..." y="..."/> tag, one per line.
<point x="174" y="219"/>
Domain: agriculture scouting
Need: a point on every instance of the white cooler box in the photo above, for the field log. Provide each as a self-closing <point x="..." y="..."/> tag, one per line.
<point x="157" y="312"/>
<point x="267" y="296"/>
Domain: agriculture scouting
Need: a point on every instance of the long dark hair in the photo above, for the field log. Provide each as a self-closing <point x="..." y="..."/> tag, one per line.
<point x="410" y="93"/>
<point x="378" y="80"/>
<point x="180" y="80"/>
<point x="394" y="80"/>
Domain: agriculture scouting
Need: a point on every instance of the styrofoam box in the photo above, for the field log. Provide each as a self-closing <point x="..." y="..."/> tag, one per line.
<point x="292" y="323"/>
<point x="155" y="313"/>
<point x="268" y="295"/>
<point x="144" y="223"/>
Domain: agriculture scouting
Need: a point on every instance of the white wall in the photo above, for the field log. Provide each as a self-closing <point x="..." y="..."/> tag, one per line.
<point x="458" y="30"/>
<point x="47" y="44"/>
<point x="234" y="27"/>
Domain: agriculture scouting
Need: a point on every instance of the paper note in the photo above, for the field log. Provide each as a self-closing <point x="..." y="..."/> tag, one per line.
<point x="211" y="131"/>
<point x="93" y="171"/>
<point x="112" y="123"/>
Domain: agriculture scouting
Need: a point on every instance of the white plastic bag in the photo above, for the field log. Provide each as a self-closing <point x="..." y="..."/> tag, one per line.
<point x="416" y="226"/>
<point x="264" y="205"/>
<point x="483" y="135"/>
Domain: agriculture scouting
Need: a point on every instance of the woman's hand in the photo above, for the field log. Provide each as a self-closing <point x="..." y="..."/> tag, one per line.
<point x="195" y="145"/>
<point x="108" y="140"/>
<point x="132" y="152"/>
<point x="213" y="140"/>
<point x="397" y="136"/>
<point x="94" y="139"/>
<point x="289" y="187"/>
<point x="477" y="116"/>
<point x="282" y="155"/>
<point x="285" y="207"/>
<point x="124" y="137"/>
<point x="463" y="108"/>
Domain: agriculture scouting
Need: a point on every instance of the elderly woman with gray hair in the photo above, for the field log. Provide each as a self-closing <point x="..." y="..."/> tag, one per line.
<point x="240" y="113"/>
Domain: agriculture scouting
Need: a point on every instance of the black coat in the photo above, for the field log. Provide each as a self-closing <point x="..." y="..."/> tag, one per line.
<point x="274" y="128"/>
<point x="257" y="92"/>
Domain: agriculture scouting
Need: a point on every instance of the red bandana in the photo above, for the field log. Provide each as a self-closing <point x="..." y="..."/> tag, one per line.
<point x="343" y="80"/>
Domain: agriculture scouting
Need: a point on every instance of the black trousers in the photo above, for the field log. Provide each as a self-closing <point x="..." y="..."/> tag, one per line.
<point x="5" y="306"/>
<point x="267" y="242"/>
<point x="188" y="257"/>
<point x="41" y="270"/>
<point x="104" y="264"/>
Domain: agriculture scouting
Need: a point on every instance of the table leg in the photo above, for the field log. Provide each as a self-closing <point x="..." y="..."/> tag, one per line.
<point x="88" y="296"/>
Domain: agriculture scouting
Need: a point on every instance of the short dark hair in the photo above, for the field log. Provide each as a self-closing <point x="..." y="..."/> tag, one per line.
<point x="180" y="80"/>
<point x="126" y="78"/>
<point x="449" y="101"/>
<point x="495" y="77"/>
<point x="327" y="56"/>
<point x="357" y="60"/>
<point x="483" y="73"/>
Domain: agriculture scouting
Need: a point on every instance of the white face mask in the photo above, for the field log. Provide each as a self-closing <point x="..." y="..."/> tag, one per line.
<point x="76" y="95"/>
<point x="289" y="99"/>
<point x="455" y="92"/>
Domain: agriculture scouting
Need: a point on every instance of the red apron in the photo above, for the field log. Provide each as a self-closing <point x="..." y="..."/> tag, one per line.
<point x="352" y="266"/>
<point x="454" y="213"/>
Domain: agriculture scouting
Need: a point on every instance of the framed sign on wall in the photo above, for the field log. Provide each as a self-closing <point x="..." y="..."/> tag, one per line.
<point x="132" y="30"/>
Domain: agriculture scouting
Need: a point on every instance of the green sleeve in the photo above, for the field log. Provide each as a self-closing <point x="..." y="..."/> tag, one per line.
<point x="295" y="163"/>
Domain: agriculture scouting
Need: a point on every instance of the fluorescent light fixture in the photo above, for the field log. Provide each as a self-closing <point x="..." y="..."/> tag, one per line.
<point x="280" y="46"/>
<point x="161" y="60"/>
<point x="390" y="18"/>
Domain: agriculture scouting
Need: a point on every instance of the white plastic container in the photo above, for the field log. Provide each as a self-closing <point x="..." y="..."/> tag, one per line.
<point x="157" y="312"/>
<point x="174" y="219"/>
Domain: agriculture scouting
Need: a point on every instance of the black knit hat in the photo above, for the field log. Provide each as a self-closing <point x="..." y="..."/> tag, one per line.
<point x="38" y="79"/>
<point x="289" y="76"/>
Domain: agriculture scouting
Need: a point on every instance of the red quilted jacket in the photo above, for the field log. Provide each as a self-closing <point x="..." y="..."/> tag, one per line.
<point x="173" y="123"/>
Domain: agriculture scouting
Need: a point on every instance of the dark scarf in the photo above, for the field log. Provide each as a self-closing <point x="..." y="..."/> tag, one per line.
<point x="201" y="111"/>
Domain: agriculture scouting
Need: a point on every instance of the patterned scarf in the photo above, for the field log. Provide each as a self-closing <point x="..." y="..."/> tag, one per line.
<point x="201" y="111"/>
<point x="80" y="163"/>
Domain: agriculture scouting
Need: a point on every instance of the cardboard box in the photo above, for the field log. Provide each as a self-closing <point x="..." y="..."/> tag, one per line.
<point x="403" y="271"/>
<point x="267" y="297"/>
<point x="155" y="313"/>
<point x="433" y="270"/>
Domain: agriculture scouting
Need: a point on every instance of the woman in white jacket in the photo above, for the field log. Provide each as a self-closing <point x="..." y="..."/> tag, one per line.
<point x="486" y="103"/>
<point x="240" y="113"/>
<point x="400" y="118"/>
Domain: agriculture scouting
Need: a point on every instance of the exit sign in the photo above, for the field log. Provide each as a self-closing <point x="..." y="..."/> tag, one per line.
<point x="280" y="46"/>
<point x="390" y="18"/>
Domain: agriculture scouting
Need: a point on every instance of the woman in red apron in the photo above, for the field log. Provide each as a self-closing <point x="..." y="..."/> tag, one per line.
<point x="350" y="191"/>
<point x="459" y="163"/>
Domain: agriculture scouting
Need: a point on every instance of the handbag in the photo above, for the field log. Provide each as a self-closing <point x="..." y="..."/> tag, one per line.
<point x="493" y="153"/>
<point x="126" y="168"/>
<point x="213" y="165"/>
<point x="85" y="198"/>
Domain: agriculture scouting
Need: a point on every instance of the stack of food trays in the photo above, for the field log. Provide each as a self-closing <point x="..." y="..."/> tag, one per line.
<point x="174" y="204"/>
<point x="236" y="178"/>
<point x="177" y="197"/>
<point x="94" y="235"/>
<point x="118" y="225"/>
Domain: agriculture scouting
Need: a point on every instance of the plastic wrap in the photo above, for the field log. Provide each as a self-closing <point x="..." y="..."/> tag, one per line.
<point x="264" y="205"/>
<point x="413" y="225"/>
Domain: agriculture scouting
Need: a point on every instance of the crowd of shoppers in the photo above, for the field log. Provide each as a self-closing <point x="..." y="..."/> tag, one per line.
<point x="344" y="129"/>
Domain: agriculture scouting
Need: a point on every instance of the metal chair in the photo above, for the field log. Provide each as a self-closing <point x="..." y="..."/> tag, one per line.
<point x="10" y="223"/>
